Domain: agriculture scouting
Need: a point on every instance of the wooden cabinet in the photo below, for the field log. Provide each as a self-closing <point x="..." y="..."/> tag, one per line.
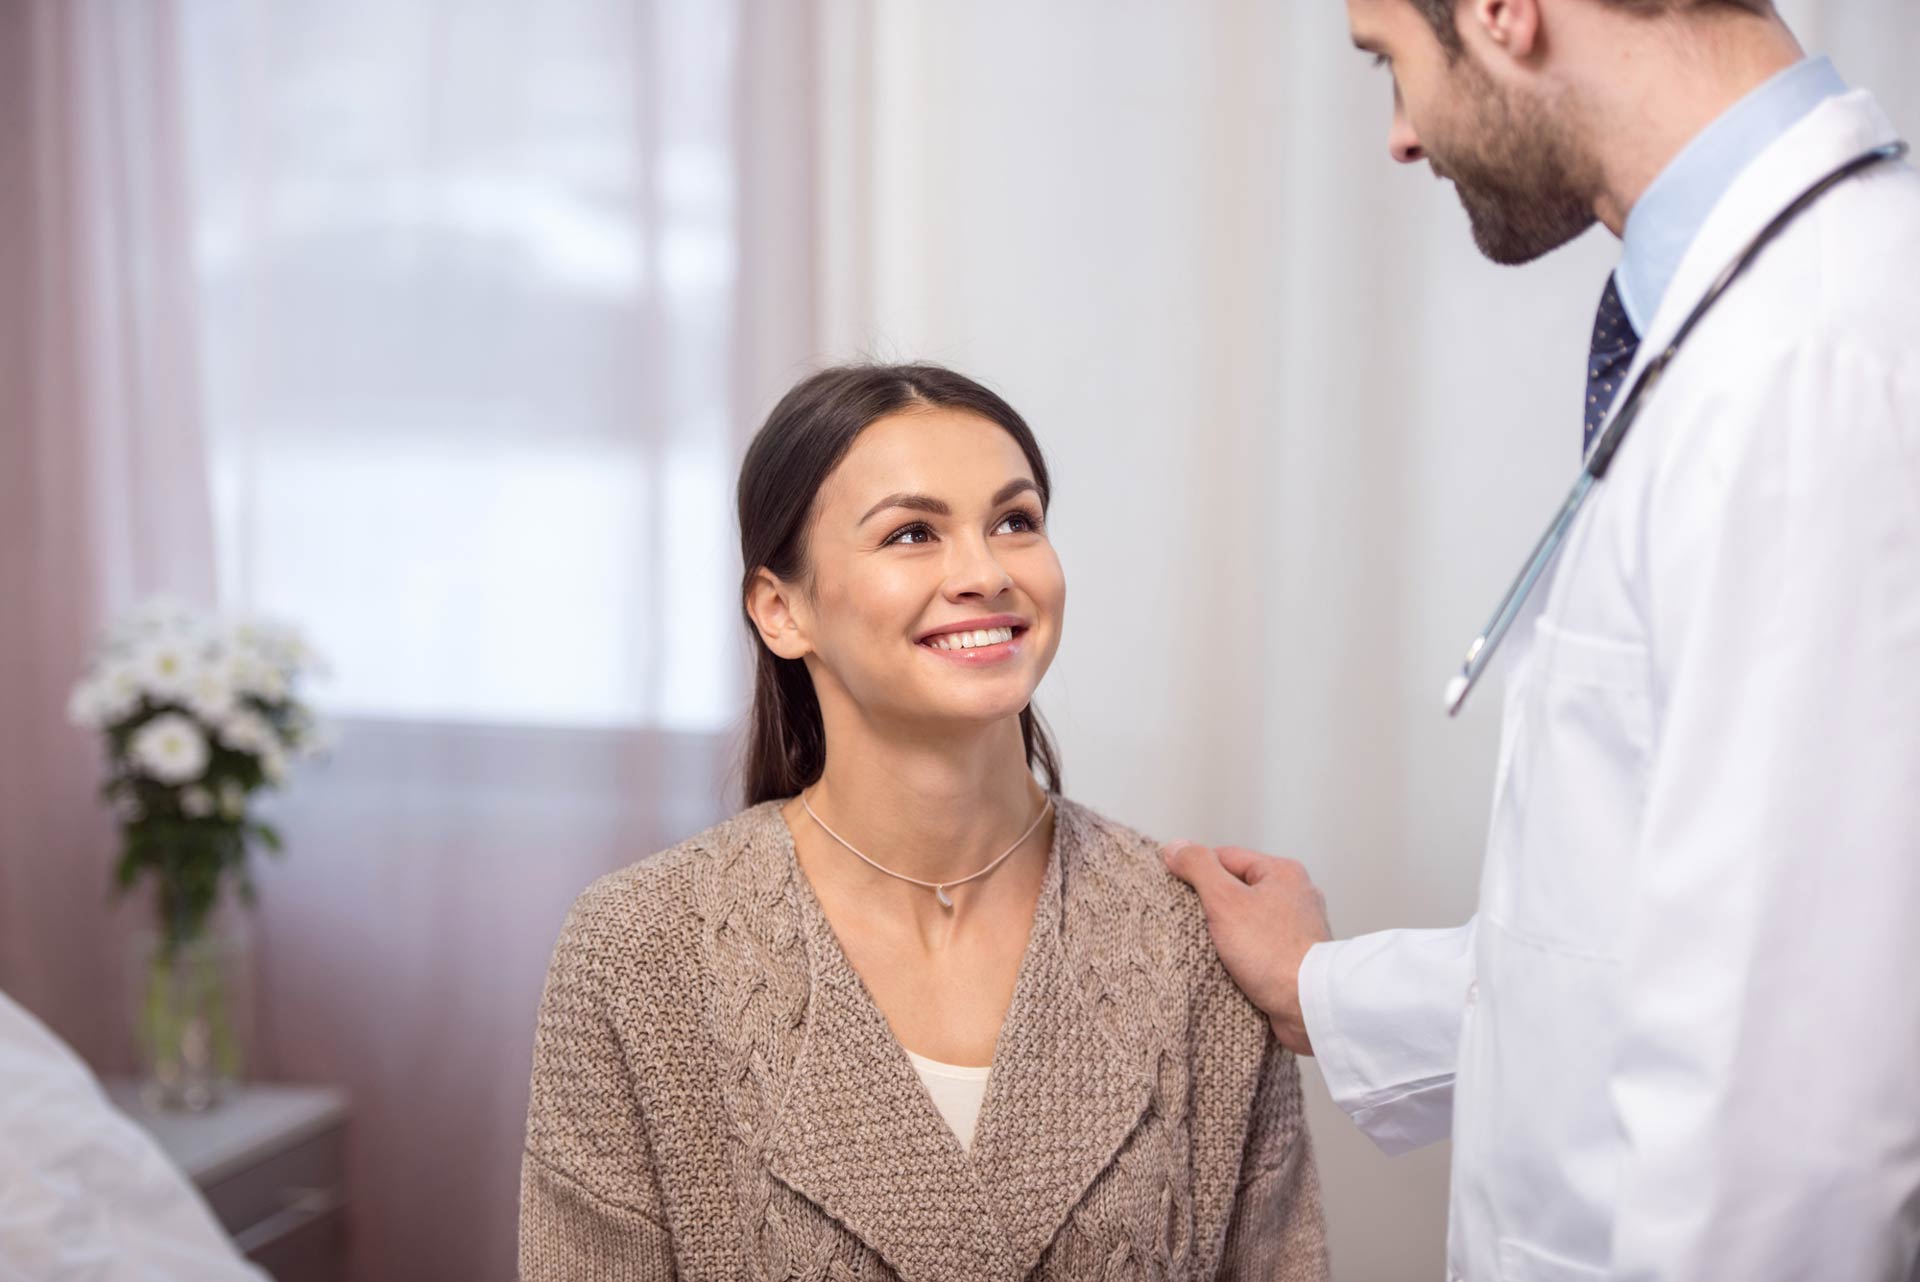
<point x="269" y="1163"/>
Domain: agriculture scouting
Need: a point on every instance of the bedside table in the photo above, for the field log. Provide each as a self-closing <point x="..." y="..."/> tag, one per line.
<point x="268" y="1161"/>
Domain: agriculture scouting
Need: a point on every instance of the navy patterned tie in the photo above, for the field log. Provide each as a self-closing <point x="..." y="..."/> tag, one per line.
<point x="1614" y="344"/>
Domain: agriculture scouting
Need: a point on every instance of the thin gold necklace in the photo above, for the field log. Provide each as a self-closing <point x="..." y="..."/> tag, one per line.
<point x="939" y="888"/>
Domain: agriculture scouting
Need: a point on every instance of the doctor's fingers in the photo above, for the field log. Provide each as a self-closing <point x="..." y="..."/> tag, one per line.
<point x="1253" y="867"/>
<point x="1282" y="889"/>
<point x="1261" y="930"/>
<point x="1201" y="868"/>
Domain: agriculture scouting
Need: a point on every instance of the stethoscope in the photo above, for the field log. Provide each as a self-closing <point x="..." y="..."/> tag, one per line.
<point x="1480" y="653"/>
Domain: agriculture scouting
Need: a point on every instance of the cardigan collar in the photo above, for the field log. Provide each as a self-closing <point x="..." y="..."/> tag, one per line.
<point x="1069" y="1083"/>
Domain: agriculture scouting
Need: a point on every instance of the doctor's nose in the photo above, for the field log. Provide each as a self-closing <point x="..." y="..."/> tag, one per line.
<point x="1402" y="141"/>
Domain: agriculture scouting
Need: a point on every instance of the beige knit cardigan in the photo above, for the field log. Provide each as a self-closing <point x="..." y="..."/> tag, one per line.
<point x="716" y="1096"/>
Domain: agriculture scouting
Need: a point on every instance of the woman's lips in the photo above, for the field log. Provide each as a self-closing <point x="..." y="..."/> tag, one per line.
<point x="979" y="656"/>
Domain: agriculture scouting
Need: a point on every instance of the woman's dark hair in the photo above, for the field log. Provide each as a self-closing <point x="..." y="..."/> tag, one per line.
<point x="802" y="441"/>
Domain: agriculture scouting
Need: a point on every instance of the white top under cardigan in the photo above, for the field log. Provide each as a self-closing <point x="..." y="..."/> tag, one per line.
<point x="957" y="1091"/>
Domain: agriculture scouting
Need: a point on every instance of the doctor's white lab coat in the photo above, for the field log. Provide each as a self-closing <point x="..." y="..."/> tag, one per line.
<point x="1681" y="1037"/>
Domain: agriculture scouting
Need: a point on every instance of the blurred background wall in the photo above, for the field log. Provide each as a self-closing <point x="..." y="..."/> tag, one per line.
<point x="438" y="328"/>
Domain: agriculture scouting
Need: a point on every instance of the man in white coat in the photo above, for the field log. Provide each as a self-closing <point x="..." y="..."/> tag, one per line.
<point x="1680" y="1039"/>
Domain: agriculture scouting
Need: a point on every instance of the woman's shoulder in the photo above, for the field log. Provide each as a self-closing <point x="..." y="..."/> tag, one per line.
<point x="1128" y="902"/>
<point x="1115" y="871"/>
<point x="1114" y="859"/>
<point x="655" y="902"/>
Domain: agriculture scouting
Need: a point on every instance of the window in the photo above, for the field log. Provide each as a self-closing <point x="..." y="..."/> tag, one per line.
<point x="466" y="283"/>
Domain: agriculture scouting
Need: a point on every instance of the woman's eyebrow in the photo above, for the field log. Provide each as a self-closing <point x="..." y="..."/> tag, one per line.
<point x="1018" y="485"/>
<point x="938" y="507"/>
<point x="918" y="502"/>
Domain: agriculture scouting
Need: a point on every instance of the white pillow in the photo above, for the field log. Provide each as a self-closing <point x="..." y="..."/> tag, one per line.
<point x="85" y="1193"/>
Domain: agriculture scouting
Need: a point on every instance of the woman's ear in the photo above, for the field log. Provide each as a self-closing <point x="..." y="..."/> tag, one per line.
<point x="771" y="605"/>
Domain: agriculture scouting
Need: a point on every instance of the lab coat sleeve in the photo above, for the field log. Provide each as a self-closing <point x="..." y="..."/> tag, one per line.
<point x="85" y="1193"/>
<point x="1383" y="1012"/>
<point x="1767" y="1079"/>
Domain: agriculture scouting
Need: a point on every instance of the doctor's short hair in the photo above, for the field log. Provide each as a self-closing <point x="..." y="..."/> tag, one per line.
<point x="1443" y="15"/>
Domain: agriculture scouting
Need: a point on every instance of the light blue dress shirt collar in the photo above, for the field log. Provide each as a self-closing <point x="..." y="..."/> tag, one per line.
<point x="1662" y="226"/>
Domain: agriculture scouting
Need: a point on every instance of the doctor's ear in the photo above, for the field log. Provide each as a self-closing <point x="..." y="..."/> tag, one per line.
<point x="1512" y="26"/>
<point x="771" y="604"/>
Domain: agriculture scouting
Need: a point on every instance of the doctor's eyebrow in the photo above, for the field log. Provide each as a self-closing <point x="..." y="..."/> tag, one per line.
<point x="938" y="507"/>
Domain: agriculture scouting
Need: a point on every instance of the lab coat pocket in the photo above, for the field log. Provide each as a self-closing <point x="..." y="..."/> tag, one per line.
<point x="1566" y="821"/>
<point x="1522" y="1263"/>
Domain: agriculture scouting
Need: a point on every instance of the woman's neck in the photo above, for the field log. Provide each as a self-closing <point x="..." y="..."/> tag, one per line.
<point x="934" y="808"/>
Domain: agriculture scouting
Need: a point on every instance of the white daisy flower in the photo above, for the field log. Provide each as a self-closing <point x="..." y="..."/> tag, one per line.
<point x="248" y="731"/>
<point x="210" y="695"/>
<point x="116" y="693"/>
<point x="273" y="766"/>
<point x="166" y="667"/>
<point x="170" y="748"/>
<point x="273" y="685"/>
<point x="248" y="672"/>
<point x="196" y="802"/>
<point x="250" y="636"/>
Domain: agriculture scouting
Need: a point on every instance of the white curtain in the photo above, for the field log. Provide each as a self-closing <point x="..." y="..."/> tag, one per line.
<point x="1301" y="433"/>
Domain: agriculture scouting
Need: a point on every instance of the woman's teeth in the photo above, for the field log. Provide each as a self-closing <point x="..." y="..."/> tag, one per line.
<point x="971" y="640"/>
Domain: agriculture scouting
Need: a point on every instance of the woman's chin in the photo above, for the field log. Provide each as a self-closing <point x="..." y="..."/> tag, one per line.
<point x="976" y="709"/>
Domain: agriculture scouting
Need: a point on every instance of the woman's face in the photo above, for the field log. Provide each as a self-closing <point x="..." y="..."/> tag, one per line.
<point x="934" y="592"/>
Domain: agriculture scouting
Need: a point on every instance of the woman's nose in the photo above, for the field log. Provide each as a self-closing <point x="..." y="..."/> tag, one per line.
<point x="974" y="571"/>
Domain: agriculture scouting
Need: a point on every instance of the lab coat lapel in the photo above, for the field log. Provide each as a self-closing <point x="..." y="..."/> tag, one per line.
<point x="1837" y="130"/>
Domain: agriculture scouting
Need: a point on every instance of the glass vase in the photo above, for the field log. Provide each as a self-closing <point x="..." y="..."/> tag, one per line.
<point x="192" y="1005"/>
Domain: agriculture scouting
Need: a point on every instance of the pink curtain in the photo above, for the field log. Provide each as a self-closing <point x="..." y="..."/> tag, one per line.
<point x="403" y="943"/>
<point x="103" y="492"/>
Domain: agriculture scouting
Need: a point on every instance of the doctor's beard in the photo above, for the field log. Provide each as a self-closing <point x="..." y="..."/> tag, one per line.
<point x="1521" y="175"/>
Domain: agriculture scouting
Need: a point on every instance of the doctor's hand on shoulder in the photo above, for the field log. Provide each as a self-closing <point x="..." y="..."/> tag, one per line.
<point x="1264" y="914"/>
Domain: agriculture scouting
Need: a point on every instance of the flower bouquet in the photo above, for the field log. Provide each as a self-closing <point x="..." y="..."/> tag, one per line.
<point x="198" y="714"/>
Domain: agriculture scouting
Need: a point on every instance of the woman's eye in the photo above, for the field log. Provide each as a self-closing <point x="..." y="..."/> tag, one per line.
<point x="1023" y="523"/>
<point x="918" y="532"/>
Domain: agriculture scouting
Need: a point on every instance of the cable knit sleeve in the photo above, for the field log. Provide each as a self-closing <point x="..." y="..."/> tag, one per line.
<point x="1249" y="1129"/>
<point x="590" y="1205"/>
<point x="1278" y="1233"/>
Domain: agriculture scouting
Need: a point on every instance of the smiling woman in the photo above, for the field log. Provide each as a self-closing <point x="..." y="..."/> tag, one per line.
<point x="912" y="1013"/>
<point x="945" y="433"/>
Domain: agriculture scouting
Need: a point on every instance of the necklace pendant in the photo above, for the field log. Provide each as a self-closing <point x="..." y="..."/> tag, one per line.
<point x="940" y="893"/>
